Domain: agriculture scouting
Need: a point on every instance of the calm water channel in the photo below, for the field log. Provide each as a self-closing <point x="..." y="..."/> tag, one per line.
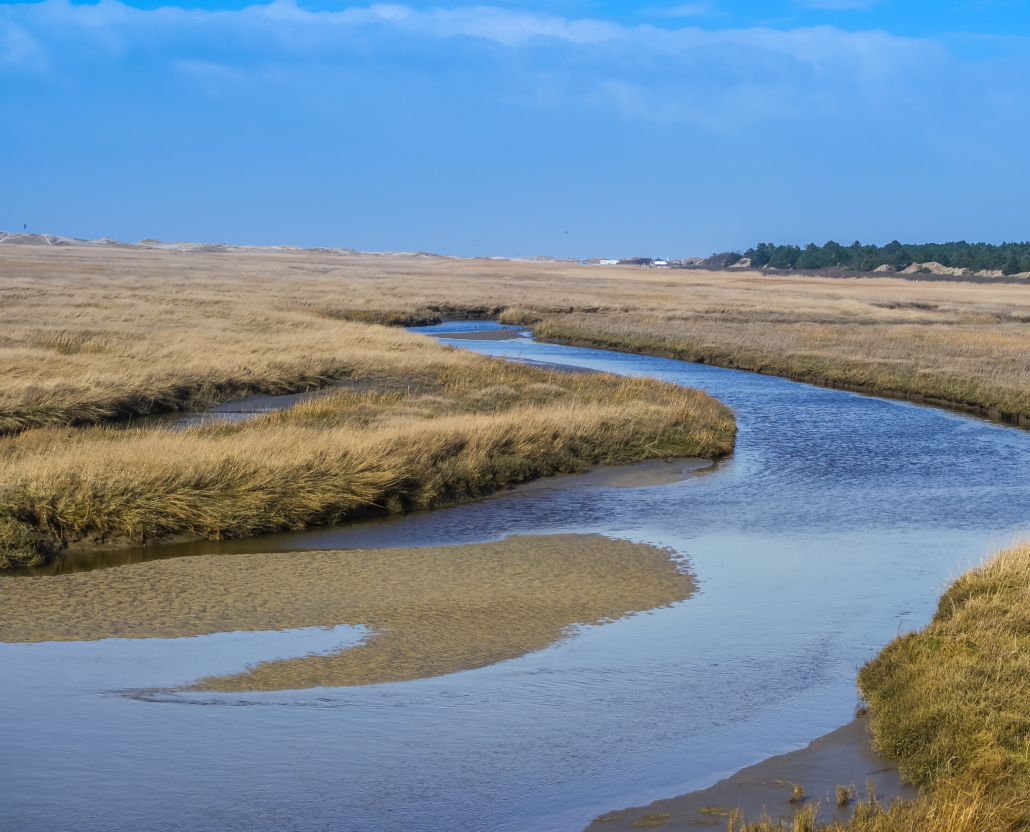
<point x="828" y="531"/>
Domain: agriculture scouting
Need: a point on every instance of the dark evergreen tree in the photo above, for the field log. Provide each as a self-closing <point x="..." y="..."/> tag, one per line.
<point x="1011" y="258"/>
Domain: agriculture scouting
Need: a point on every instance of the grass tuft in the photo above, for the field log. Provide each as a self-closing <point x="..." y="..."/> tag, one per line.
<point x="416" y="317"/>
<point x="19" y="547"/>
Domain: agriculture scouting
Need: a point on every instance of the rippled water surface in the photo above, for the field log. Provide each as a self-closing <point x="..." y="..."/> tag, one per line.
<point x="829" y="529"/>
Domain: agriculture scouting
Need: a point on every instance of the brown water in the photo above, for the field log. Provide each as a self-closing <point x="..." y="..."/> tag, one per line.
<point x="827" y="532"/>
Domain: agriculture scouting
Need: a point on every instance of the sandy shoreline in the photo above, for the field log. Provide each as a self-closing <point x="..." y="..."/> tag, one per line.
<point x="508" y="334"/>
<point x="844" y="757"/>
<point x="432" y="610"/>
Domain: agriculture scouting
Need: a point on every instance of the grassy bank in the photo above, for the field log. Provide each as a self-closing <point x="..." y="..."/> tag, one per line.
<point x="954" y="365"/>
<point x="450" y="425"/>
<point x="951" y="702"/>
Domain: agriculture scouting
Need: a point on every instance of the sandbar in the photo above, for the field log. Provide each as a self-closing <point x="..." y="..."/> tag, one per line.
<point x="645" y="474"/>
<point x="483" y="334"/>
<point x="431" y="610"/>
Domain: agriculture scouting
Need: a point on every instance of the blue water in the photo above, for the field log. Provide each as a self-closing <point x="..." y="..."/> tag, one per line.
<point x="829" y="530"/>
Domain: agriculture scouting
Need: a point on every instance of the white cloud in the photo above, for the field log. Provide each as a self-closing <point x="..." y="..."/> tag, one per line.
<point x="839" y="5"/>
<point x="17" y="46"/>
<point x="685" y="73"/>
<point x="684" y="10"/>
<point x="286" y="19"/>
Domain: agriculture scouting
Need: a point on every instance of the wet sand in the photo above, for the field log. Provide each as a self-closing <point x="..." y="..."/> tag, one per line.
<point x="638" y="475"/>
<point x="844" y="757"/>
<point x="485" y="335"/>
<point x="432" y="610"/>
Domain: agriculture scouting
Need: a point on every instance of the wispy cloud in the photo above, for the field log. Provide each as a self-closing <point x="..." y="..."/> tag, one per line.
<point x="287" y="24"/>
<point x="839" y="5"/>
<point x="687" y="73"/>
<point x="17" y="46"/>
<point x="432" y="119"/>
<point x="683" y="10"/>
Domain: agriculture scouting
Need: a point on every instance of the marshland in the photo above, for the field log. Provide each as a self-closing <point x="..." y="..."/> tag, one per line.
<point x="761" y="583"/>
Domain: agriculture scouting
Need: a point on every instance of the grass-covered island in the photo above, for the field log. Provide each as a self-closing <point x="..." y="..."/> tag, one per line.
<point x="410" y="424"/>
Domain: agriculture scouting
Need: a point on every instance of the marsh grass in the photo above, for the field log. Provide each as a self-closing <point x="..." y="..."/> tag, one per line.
<point x="183" y="329"/>
<point x="461" y="425"/>
<point x="652" y="820"/>
<point x="71" y="343"/>
<point x="952" y="701"/>
<point x="19" y="547"/>
<point x="964" y="364"/>
<point x="417" y="317"/>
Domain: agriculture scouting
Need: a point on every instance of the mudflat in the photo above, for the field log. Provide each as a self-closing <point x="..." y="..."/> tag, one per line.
<point x="844" y="757"/>
<point x="432" y="610"/>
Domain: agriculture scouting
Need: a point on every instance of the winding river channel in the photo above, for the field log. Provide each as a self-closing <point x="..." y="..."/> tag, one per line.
<point x="829" y="530"/>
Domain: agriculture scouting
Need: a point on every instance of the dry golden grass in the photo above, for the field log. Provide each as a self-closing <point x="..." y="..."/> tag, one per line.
<point x="952" y="701"/>
<point x="453" y="425"/>
<point x="91" y="334"/>
<point x="986" y="366"/>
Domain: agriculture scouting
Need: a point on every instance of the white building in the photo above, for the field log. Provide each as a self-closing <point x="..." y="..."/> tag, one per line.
<point x="608" y="262"/>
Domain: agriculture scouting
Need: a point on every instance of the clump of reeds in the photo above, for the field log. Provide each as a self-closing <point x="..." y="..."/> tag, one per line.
<point x="654" y="819"/>
<point x="520" y="316"/>
<point x="844" y="795"/>
<point x="382" y="317"/>
<point x="18" y="546"/>
<point x="72" y="343"/>
<point x="804" y="819"/>
<point x="798" y="795"/>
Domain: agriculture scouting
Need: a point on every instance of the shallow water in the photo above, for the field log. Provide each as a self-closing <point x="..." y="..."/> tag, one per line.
<point x="827" y="532"/>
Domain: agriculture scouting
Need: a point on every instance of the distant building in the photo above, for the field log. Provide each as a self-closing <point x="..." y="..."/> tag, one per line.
<point x="608" y="262"/>
<point x="659" y="264"/>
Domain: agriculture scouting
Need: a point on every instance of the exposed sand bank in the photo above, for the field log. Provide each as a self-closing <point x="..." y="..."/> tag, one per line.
<point x="508" y="334"/>
<point x="433" y="610"/>
<point x="638" y="475"/>
<point x="844" y="757"/>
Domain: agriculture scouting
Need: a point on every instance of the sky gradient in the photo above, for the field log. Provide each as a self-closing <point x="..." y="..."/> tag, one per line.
<point x="561" y="128"/>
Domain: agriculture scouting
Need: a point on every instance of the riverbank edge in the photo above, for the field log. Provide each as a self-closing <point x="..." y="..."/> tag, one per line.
<point x="687" y="354"/>
<point x="25" y="541"/>
<point x="844" y="757"/>
<point x="946" y="705"/>
<point x="28" y="549"/>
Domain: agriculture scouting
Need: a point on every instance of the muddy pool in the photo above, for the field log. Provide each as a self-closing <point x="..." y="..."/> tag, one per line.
<point x="828" y="531"/>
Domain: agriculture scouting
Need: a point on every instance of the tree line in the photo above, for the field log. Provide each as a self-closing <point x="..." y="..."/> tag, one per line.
<point x="1008" y="258"/>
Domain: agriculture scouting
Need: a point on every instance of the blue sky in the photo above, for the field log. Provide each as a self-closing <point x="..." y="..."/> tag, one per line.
<point x="564" y="128"/>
